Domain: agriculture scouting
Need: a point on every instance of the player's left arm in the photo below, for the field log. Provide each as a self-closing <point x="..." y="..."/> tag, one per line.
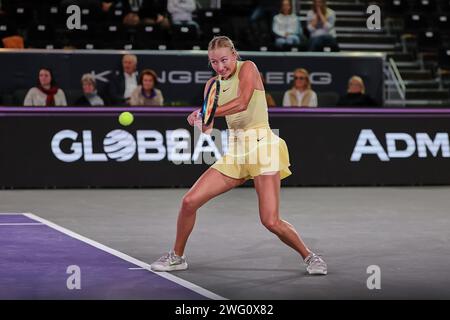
<point x="248" y="82"/>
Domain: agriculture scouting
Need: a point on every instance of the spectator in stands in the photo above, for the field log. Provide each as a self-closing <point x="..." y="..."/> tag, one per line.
<point x="181" y="12"/>
<point x="154" y="12"/>
<point x="46" y="93"/>
<point x="146" y="94"/>
<point x="286" y="26"/>
<point x="90" y="95"/>
<point x="320" y="23"/>
<point x="301" y="94"/>
<point x="270" y="100"/>
<point x="124" y="83"/>
<point x="356" y="95"/>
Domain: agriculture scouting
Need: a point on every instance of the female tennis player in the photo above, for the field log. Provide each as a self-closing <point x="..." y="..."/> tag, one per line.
<point x="242" y="101"/>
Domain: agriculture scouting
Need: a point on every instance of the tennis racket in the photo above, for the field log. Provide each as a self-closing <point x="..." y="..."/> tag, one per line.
<point x="210" y="103"/>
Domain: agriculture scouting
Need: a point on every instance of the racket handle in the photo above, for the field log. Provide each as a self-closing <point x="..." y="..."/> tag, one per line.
<point x="198" y="122"/>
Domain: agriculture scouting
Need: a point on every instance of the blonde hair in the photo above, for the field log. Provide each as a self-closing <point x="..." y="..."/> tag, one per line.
<point x="222" y="42"/>
<point x="306" y="73"/>
<point x="89" y="78"/>
<point x="323" y="7"/>
<point x="360" y="82"/>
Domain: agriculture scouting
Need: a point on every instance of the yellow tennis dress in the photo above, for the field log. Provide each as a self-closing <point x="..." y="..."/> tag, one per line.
<point x="253" y="147"/>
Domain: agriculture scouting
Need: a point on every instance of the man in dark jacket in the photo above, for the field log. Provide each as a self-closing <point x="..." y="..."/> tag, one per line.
<point x="124" y="82"/>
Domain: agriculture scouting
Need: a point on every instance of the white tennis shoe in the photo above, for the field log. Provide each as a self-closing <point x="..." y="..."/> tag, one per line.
<point x="315" y="264"/>
<point x="170" y="262"/>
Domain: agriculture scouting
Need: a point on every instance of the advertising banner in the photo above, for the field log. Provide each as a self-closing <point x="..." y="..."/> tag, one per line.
<point x="160" y="149"/>
<point x="182" y="75"/>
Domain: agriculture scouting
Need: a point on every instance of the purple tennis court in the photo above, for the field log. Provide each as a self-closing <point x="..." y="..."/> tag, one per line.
<point x="41" y="260"/>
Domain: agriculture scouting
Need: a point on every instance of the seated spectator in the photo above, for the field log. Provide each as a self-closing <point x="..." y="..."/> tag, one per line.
<point x="270" y="100"/>
<point x="46" y="93"/>
<point x="320" y="23"/>
<point x="146" y="94"/>
<point x="90" y="95"/>
<point x="286" y="26"/>
<point x="356" y="95"/>
<point x="181" y="12"/>
<point x="301" y="94"/>
<point x="124" y="82"/>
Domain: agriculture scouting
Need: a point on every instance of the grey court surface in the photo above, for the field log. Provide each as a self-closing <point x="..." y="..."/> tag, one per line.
<point x="403" y="231"/>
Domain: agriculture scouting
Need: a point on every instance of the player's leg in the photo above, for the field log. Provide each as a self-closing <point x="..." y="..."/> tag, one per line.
<point x="268" y="189"/>
<point x="210" y="184"/>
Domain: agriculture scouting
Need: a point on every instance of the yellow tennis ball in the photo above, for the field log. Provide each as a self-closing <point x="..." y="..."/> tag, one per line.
<point x="126" y="118"/>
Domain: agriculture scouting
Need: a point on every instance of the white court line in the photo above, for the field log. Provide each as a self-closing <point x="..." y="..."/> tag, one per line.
<point x="21" y="224"/>
<point x="11" y="213"/>
<point x="98" y="245"/>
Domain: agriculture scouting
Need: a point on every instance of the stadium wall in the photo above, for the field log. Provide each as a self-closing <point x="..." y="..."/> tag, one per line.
<point x="86" y="147"/>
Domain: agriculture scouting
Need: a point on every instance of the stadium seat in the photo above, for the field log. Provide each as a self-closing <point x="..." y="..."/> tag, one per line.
<point x="442" y="21"/>
<point x="428" y="40"/>
<point x="79" y="38"/>
<point x="7" y="29"/>
<point x="209" y="16"/>
<point x="444" y="6"/>
<point x="41" y="36"/>
<point x="22" y="16"/>
<point x="116" y="16"/>
<point x="415" y="22"/>
<point x="424" y="6"/>
<point x="397" y="7"/>
<point x="114" y="36"/>
<point x="184" y="37"/>
<point x="444" y="57"/>
<point x="53" y="14"/>
<point x="149" y="37"/>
